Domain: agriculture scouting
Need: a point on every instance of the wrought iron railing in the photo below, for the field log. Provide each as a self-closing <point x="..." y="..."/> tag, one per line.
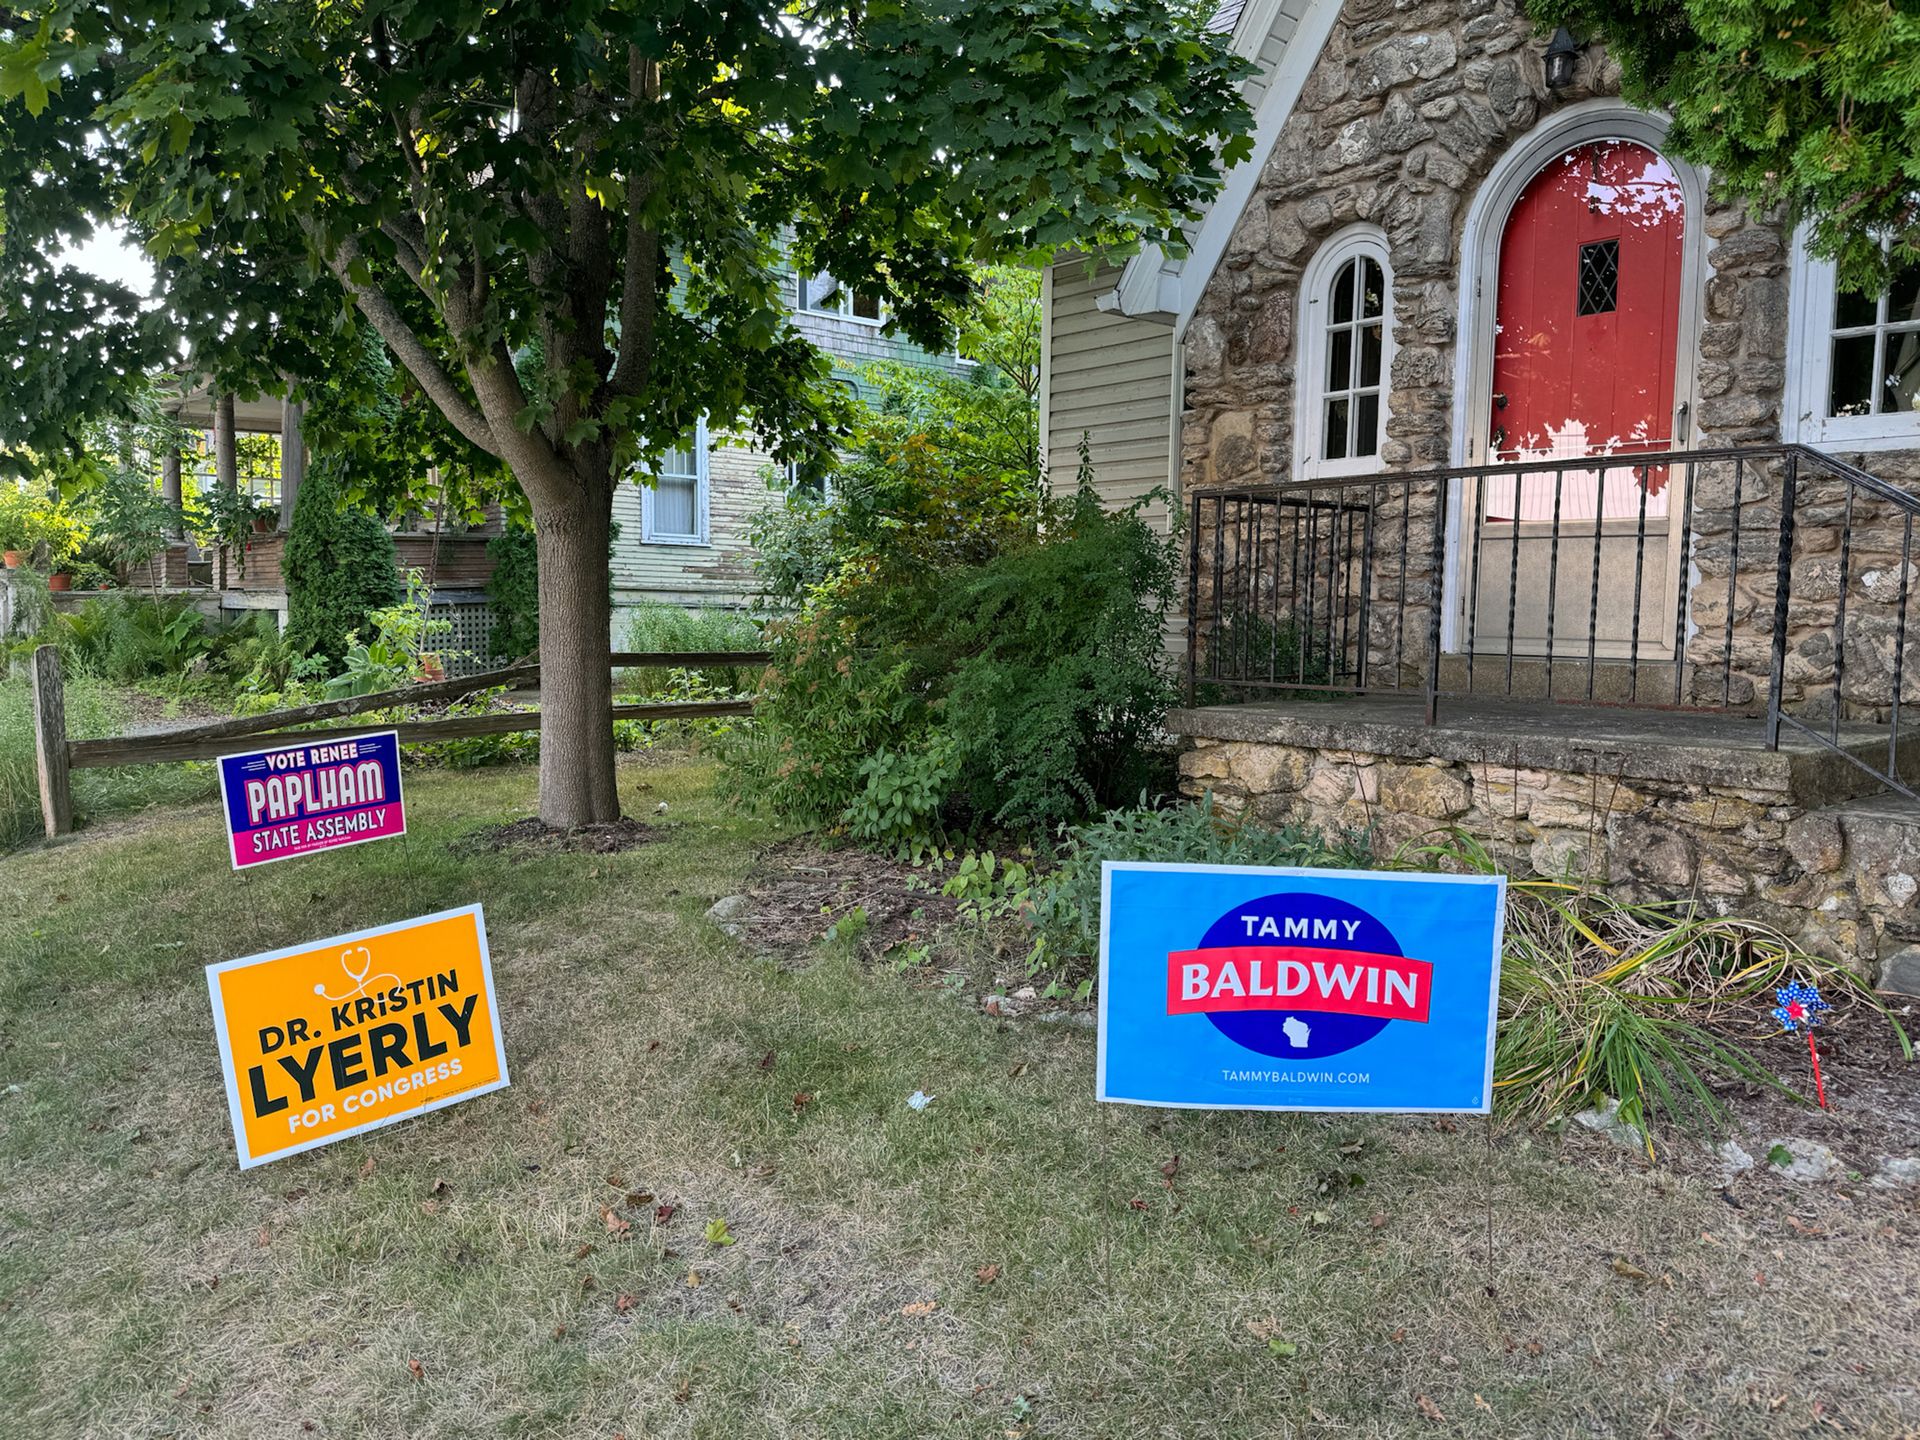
<point x="1767" y="580"/>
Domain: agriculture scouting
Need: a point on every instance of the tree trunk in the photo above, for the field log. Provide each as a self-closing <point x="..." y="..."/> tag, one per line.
<point x="576" y="682"/>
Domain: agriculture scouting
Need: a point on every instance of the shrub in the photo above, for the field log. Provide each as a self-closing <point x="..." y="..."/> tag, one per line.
<point x="652" y="626"/>
<point x="339" y="566"/>
<point x="513" y="593"/>
<point x="923" y="691"/>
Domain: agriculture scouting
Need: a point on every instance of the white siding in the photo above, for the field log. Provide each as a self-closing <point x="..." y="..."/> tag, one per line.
<point x="1110" y="377"/>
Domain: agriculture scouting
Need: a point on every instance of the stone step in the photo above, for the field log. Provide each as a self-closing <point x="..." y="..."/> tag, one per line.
<point x="1612" y="682"/>
<point x="1874" y="842"/>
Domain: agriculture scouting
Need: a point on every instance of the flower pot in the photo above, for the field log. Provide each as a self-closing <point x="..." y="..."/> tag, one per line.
<point x="262" y="526"/>
<point x="432" y="668"/>
<point x="60" y="580"/>
<point x="12" y="559"/>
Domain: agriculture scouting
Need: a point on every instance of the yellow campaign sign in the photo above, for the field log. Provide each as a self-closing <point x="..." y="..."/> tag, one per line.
<point x="341" y="1036"/>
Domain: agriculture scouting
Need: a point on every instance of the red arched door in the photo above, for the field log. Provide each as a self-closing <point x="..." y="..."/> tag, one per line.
<point x="1586" y="341"/>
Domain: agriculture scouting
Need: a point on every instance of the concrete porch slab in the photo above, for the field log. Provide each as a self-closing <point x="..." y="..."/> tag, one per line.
<point x="1686" y="747"/>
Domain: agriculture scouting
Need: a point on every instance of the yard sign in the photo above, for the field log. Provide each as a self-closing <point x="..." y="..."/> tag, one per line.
<point x="296" y="799"/>
<point x="331" y="1039"/>
<point x="1240" y="988"/>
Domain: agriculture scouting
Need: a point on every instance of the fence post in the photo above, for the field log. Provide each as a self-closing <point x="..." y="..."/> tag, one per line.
<point x="50" y="742"/>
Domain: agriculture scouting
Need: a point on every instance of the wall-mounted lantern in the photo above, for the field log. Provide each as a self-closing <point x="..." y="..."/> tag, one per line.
<point x="1563" y="55"/>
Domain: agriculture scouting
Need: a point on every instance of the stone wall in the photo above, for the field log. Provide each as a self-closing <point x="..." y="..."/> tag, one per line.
<point x="1400" y="121"/>
<point x="1843" y="880"/>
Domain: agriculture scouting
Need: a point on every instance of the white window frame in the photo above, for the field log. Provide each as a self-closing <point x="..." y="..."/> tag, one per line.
<point x="841" y="306"/>
<point x="649" y="535"/>
<point x="1809" y="380"/>
<point x="1316" y="289"/>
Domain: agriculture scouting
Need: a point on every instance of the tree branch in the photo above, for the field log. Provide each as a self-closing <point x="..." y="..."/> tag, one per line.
<point x="409" y="349"/>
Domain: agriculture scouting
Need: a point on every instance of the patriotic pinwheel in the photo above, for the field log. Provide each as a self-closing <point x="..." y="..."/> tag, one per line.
<point x="1799" y="1006"/>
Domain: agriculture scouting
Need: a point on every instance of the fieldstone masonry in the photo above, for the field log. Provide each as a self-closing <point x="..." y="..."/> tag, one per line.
<point x="1727" y="829"/>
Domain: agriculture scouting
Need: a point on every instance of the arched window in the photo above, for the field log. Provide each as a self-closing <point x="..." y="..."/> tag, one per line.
<point x="1345" y="355"/>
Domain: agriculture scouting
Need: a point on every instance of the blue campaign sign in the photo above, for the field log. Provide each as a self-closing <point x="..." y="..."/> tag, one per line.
<point x="1242" y="988"/>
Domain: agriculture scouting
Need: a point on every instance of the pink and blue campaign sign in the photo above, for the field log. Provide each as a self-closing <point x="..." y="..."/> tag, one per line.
<point x="299" y="799"/>
<point x="1234" y="987"/>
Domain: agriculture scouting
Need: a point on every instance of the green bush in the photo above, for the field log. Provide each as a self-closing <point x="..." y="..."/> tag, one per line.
<point x="513" y="593"/>
<point x="339" y="566"/>
<point x="922" y="691"/>
<point x="652" y="626"/>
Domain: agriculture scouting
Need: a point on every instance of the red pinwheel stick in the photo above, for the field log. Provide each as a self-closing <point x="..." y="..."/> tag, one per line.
<point x="1819" y="1085"/>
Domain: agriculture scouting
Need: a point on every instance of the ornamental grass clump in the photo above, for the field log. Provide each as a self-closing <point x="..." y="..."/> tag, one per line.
<point x="1648" y="1003"/>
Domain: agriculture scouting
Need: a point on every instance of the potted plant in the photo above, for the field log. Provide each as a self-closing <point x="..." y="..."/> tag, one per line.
<point x="14" y="537"/>
<point x="266" y="519"/>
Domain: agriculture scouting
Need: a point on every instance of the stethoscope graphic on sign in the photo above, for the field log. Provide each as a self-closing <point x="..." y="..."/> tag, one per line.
<point x="362" y="985"/>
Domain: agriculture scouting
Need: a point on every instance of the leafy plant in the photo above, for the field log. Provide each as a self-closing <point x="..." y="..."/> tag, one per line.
<point x="339" y="565"/>
<point x="1604" y="998"/>
<point x="513" y="593"/>
<point x="660" y="628"/>
<point x="401" y="650"/>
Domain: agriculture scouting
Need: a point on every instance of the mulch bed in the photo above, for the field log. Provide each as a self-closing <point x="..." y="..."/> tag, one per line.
<point x="535" y="835"/>
<point x="800" y="889"/>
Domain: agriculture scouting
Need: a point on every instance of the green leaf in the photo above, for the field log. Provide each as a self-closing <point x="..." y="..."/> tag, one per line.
<point x="1781" y="1156"/>
<point x="717" y="1232"/>
<point x="1285" y="1349"/>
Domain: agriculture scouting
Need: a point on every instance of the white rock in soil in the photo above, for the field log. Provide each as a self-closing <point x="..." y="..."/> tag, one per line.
<point x="1897" y="1170"/>
<point x="1082" y="1018"/>
<point x="1810" y="1159"/>
<point x="1605" y="1120"/>
<point x="1733" y="1157"/>
<point x="728" y="910"/>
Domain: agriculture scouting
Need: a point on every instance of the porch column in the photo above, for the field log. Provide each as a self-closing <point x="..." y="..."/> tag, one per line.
<point x="226" y="470"/>
<point x="293" y="459"/>
<point x="170" y="484"/>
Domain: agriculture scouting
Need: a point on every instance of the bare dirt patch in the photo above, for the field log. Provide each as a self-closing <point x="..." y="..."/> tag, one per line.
<point x="800" y="890"/>
<point x="536" y="836"/>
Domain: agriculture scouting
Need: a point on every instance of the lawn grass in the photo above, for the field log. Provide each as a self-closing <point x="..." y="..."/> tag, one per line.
<point x="1010" y="1260"/>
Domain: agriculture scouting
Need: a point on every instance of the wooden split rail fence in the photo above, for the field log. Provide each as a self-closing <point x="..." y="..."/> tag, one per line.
<point x="57" y="757"/>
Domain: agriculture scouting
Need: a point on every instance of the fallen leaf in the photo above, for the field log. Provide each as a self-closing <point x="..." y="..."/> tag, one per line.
<point x="717" y="1232"/>
<point x="1136" y="1203"/>
<point x="1353" y="1147"/>
<point x="802" y="1099"/>
<point x="693" y="1279"/>
<point x="1480" y="1404"/>
<point x="615" y="1224"/>
<point x="766" y="1061"/>
<point x="1377" y="1221"/>
<point x="1283" y="1348"/>
<point x="536" y="1107"/>
<point x="583" y="1252"/>
<point x="1628" y="1270"/>
<point x="622" y="1304"/>
<point x="987" y="1274"/>
<point x="683" y="1393"/>
<point x="1017" y="1071"/>
<point x="418" y="1370"/>
<point x="1170" y="1169"/>
<point x="652" y="1045"/>
<point x="439" y="1187"/>
<point x="1535" y="1348"/>
<point x="1801" y="1227"/>
<point x="264" y="1238"/>
<point x="663" y="1213"/>
<point x="920" y="1308"/>
<point x="1428" y="1410"/>
<point x="559" y="1332"/>
<point x="587" y="1282"/>
<point x="1399" y="1335"/>
<point x="366" y="1168"/>
<point x="1445" y="1126"/>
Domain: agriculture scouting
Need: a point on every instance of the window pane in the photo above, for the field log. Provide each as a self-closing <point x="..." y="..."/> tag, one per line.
<point x="1343" y="293"/>
<point x="674" y="507"/>
<point x="1903" y="300"/>
<point x="679" y="463"/>
<point x="1366" y="425"/>
<point x="1333" y="443"/>
<point x="1852" y="392"/>
<point x="1340" y="360"/>
<point x="1851" y="308"/>
<point x="1370" y="356"/>
<point x="1900" y="386"/>
<point x="1373" y="290"/>
<point x="867" y="307"/>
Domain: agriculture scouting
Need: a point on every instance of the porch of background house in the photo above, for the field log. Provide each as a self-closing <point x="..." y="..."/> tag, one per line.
<point x="452" y="558"/>
<point x="1689" y="671"/>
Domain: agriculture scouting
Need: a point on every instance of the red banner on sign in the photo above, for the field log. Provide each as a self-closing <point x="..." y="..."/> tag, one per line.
<point x="1298" y="977"/>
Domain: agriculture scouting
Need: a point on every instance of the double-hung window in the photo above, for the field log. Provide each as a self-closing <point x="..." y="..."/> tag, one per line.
<point x="673" y="505"/>
<point x="823" y="295"/>
<point x="1853" y="368"/>
<point x="1344" y="356"/>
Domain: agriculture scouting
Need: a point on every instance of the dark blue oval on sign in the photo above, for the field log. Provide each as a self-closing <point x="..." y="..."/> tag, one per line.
<point x="1300" y="1034"/>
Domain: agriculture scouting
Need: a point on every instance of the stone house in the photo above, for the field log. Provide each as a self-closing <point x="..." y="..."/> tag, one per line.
<point x="1526" y="485"/>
